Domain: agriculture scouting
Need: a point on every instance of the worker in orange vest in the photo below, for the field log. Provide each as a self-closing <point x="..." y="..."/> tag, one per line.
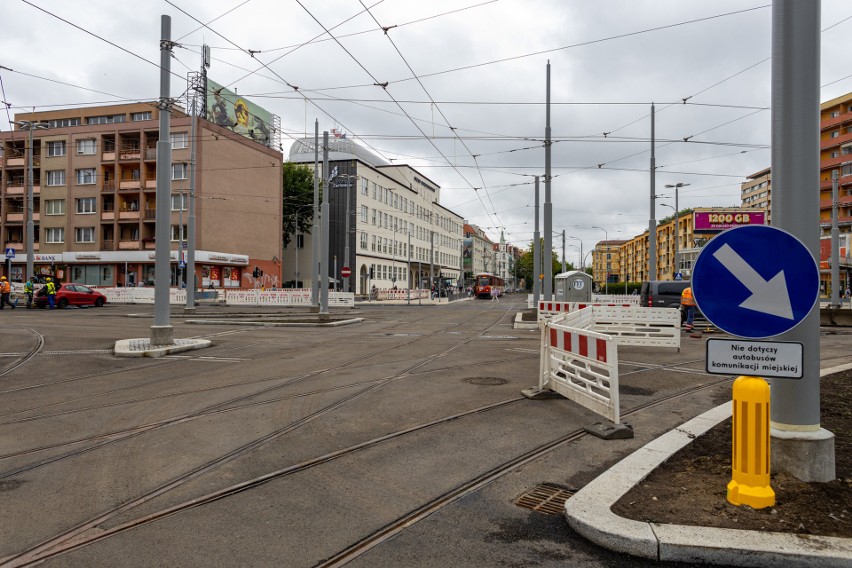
<point x="5" y="293"/>
<point x="688" y="302"/>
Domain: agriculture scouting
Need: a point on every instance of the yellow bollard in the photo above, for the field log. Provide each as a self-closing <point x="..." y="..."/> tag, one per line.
<point x="750" y="448"/>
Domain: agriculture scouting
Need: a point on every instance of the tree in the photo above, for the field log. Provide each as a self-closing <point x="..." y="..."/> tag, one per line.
<point x="525" y="265"/>
<point x="298" y="199"/>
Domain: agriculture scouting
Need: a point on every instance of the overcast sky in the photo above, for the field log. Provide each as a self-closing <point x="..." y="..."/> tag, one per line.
<point x="464" y="101"/>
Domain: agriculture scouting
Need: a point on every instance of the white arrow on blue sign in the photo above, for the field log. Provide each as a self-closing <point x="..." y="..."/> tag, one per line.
<point x="755" y="281"/>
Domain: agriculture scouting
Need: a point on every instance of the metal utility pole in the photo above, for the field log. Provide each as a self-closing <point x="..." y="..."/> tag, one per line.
<point x="324" y="243"/>
<point x="190" y="241"/>
<point x="652" y="221"/>
<point x="346" y="240"/>
<point x="563" y="250"/>
<point x="835" y="245"/>
<point x="316" y="238"/>
<point x="161" y="332"/>
<point x="408" y="276"/>
<point x="30" y="126"/>
<point x="800" y="446"/>
<point x="547" y="260"/>
<point x="536" y="253"/>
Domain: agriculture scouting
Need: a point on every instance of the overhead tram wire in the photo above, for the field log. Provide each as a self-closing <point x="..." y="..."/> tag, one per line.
<point x="202" y="26"/>
<point x="266" y="66"/>
<point x="384" y="87"/>
<point x="437" y="106"/>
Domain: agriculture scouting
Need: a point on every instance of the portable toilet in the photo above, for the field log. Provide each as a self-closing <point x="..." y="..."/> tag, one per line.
<point x="573" y="286"/>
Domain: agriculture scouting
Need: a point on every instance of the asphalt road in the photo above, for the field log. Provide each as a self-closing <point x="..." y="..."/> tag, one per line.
<point x="294" y="446"/>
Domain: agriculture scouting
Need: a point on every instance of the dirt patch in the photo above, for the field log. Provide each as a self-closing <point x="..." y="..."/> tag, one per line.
<point x="691" y="487"/>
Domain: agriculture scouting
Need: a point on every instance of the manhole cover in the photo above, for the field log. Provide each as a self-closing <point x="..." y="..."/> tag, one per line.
<point x="485" y="381"/>
<point x="547" y="498"/>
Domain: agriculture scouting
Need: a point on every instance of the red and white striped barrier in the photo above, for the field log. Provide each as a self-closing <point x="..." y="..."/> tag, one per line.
<point x="549" y="309"/>
<point x="581" y="365"/>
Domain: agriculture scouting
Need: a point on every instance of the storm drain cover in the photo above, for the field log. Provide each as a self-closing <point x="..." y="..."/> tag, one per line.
<point x="485" y="381"/>
<point x="547" y="498"/>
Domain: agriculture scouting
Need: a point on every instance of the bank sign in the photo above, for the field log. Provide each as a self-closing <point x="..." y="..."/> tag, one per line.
<point x="715" y="221"/>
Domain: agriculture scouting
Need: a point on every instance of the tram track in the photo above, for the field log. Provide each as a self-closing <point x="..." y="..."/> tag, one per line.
<point x="75" y="536"/>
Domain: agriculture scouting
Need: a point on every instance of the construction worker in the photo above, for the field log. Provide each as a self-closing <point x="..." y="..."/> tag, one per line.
<point x="5" y="293"/>
<point x="688" y="302"/>
<point x="29" y="287"/>
<point x="51" y="292"/>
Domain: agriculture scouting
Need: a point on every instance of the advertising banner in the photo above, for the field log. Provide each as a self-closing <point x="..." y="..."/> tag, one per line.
<point x="229" y="110"/>
<point x="717" y="221"/>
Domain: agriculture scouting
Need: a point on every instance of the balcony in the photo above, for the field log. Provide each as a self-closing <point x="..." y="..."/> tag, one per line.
<point x="108" y="156"/>
<point x="151" y="180"/>
<point x="149" y="244"/>
<point x="108" y="244"/>
<point x="14" y="217"/>
<point x="109" y="185"/>
<point x="129" y="245"/>
<point x="831" y="142"/>
<point x="830" y="122"/>
<point x="151" y="153"/>
<point x="14" y="188"/>
<point x="130" y="154"/>
<point x="150" y="214"/>
<point x="827" y="163"/>
<point x="129" y="184"/>
<point x="107" y="215"/>
<point x="13" y="162"/>
<point x="128" y="215"/>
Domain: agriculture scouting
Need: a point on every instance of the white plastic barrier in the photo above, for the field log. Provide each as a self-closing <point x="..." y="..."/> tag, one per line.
<point x="632" y="299"/>
<point x="547" y="310"/>
<point x="416" y="293"/>
<point x="294" y="297"/>
<point x="580" y="364"/>
<point x="657" y="327"/>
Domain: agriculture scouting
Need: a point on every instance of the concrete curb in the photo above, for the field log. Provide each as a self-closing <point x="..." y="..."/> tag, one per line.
<point x="142" y="347"/>
<point x="275" y="324"/>
<point x="588" y="512"/>
<point x="519" y="323"/>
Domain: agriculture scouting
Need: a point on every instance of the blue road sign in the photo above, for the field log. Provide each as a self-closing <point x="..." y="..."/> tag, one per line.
<point x="755" y="281"/>
<point x="10" y="253"/>
<point x="182" y="264"/>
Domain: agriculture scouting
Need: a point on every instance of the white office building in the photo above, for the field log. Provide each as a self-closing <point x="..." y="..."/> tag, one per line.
<point x="399" y="235"/>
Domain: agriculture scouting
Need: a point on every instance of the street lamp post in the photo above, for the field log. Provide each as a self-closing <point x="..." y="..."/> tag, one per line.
<point x="674" y="264"/>
<point x="581" y="249"/>
<point x="676" y="187"/>
<point x="30" y="126"/>
<point x="606" y="245"/>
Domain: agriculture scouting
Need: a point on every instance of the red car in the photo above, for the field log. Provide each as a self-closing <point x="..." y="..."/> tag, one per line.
<point x="71" y="295"/>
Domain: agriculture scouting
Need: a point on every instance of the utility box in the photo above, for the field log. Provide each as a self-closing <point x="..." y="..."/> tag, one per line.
<point x="573" y="286"/>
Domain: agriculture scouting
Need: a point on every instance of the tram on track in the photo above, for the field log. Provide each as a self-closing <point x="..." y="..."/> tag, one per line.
<point x="485" y="282"/>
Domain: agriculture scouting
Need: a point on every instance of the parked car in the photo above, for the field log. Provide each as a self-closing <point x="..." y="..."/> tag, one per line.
<point x="665" y="294"/>
<point x="71" y="294"/>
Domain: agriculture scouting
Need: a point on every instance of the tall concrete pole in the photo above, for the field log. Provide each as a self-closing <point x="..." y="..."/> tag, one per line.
<point x="652" y="221"/>
<point x="316" y="237"/>
<point x="161" y="332"/>
<point x="30" y="204"/>
<point x="325" y="242"/>
<point x="547" y="256"/>
<point x="835" y="244"/>
<point x="563" y="250"/>
<point x="190" y="239"/>
<point x="346" y="238"/>
<point x="536" y="253"/>
<point x="799" y="446"/>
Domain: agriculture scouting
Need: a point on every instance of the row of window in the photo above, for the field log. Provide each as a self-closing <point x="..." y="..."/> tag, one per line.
<point x="88" y="146"/>
<point x="389" y="197"/>
<point x="56" y="235"/>
<point x="400" y="248"/>
<point x="87" y="205"/>
<point x="88" y="176"/>
<point x="393" y="223"/>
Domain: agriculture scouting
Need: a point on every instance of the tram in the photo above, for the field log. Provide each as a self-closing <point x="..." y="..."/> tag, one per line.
<point x="485" y="282"/>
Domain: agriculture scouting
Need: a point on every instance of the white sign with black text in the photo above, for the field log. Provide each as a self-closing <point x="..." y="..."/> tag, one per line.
<point x="754" y="358"/>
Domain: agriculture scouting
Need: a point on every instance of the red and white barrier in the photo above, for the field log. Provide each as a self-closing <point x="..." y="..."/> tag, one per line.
<point x="549" y="309"/>
<point x="581" y="365"/>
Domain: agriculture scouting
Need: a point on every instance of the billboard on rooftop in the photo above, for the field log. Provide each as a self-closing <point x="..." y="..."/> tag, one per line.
<point x="236" y="113"/>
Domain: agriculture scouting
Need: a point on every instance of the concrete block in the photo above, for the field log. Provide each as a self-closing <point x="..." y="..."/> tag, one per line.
<point x="808" y="456"/>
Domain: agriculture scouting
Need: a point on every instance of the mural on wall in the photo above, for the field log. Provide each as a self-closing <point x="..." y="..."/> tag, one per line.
<point x="229" y="110"/>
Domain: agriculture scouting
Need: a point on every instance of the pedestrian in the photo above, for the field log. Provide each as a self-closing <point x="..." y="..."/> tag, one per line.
<point x="29" y="287"/>
<point x="494" y="294"/>
<point x="688" y="302"/>
<point x="5" y="293"/>
<point x="51" y="292"/>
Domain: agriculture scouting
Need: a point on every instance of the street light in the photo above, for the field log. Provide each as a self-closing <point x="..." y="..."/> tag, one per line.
<point x="581" y="249"/>
<point x="606" y="244"/>
<point x="674" y="264"/>
<point x="29" y="125"/>
<point x="676" y="187"/>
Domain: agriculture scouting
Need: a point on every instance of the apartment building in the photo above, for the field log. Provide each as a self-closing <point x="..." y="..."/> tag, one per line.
<point x="835" y="157"/>
<point x="756" y="192"/>
<point x="607" y="264"/>
<point x="399" y="234"/>
<point x="479" y="252"/>
<point x="94" y="198"/>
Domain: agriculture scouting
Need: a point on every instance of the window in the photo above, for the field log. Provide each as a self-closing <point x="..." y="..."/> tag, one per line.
<point x="86" y="205"/>
<point x="178" y="140"/>
<point x="363" y="241"/>
<point x="178" y="171"/>
<point x="54" y="207"/>
<point x="56" y="148"/>
<point x="835" y="134"/>
<point x="374" y="216"/>
<point x="138" y="116"/>
<point x="86" y="147"/>
<point x="84" y="234"/>
<point x="105" y="119"/>
<point x="364" y="187"/>
<point x="178" y="233"/>
<point x="365" y="211"/>
<point x="373" y="242"/>
<point x="835" y="113"/>
<point x="86" y="176"/>
<point x="847" y="170"/>
<point x="54" y="235"/>
<point x="180" y="202"/>
<point x="55" y="177"/>
<point x="63" y="122"/>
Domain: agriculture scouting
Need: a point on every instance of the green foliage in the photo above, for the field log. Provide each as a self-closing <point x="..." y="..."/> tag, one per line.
<point x="525" y="266"/>
<point x="298" y="199"/>
<point x="621" y="287"/>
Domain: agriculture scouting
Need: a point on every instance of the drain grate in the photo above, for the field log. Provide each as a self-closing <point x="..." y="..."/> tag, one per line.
<point x="547" y="498"/>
